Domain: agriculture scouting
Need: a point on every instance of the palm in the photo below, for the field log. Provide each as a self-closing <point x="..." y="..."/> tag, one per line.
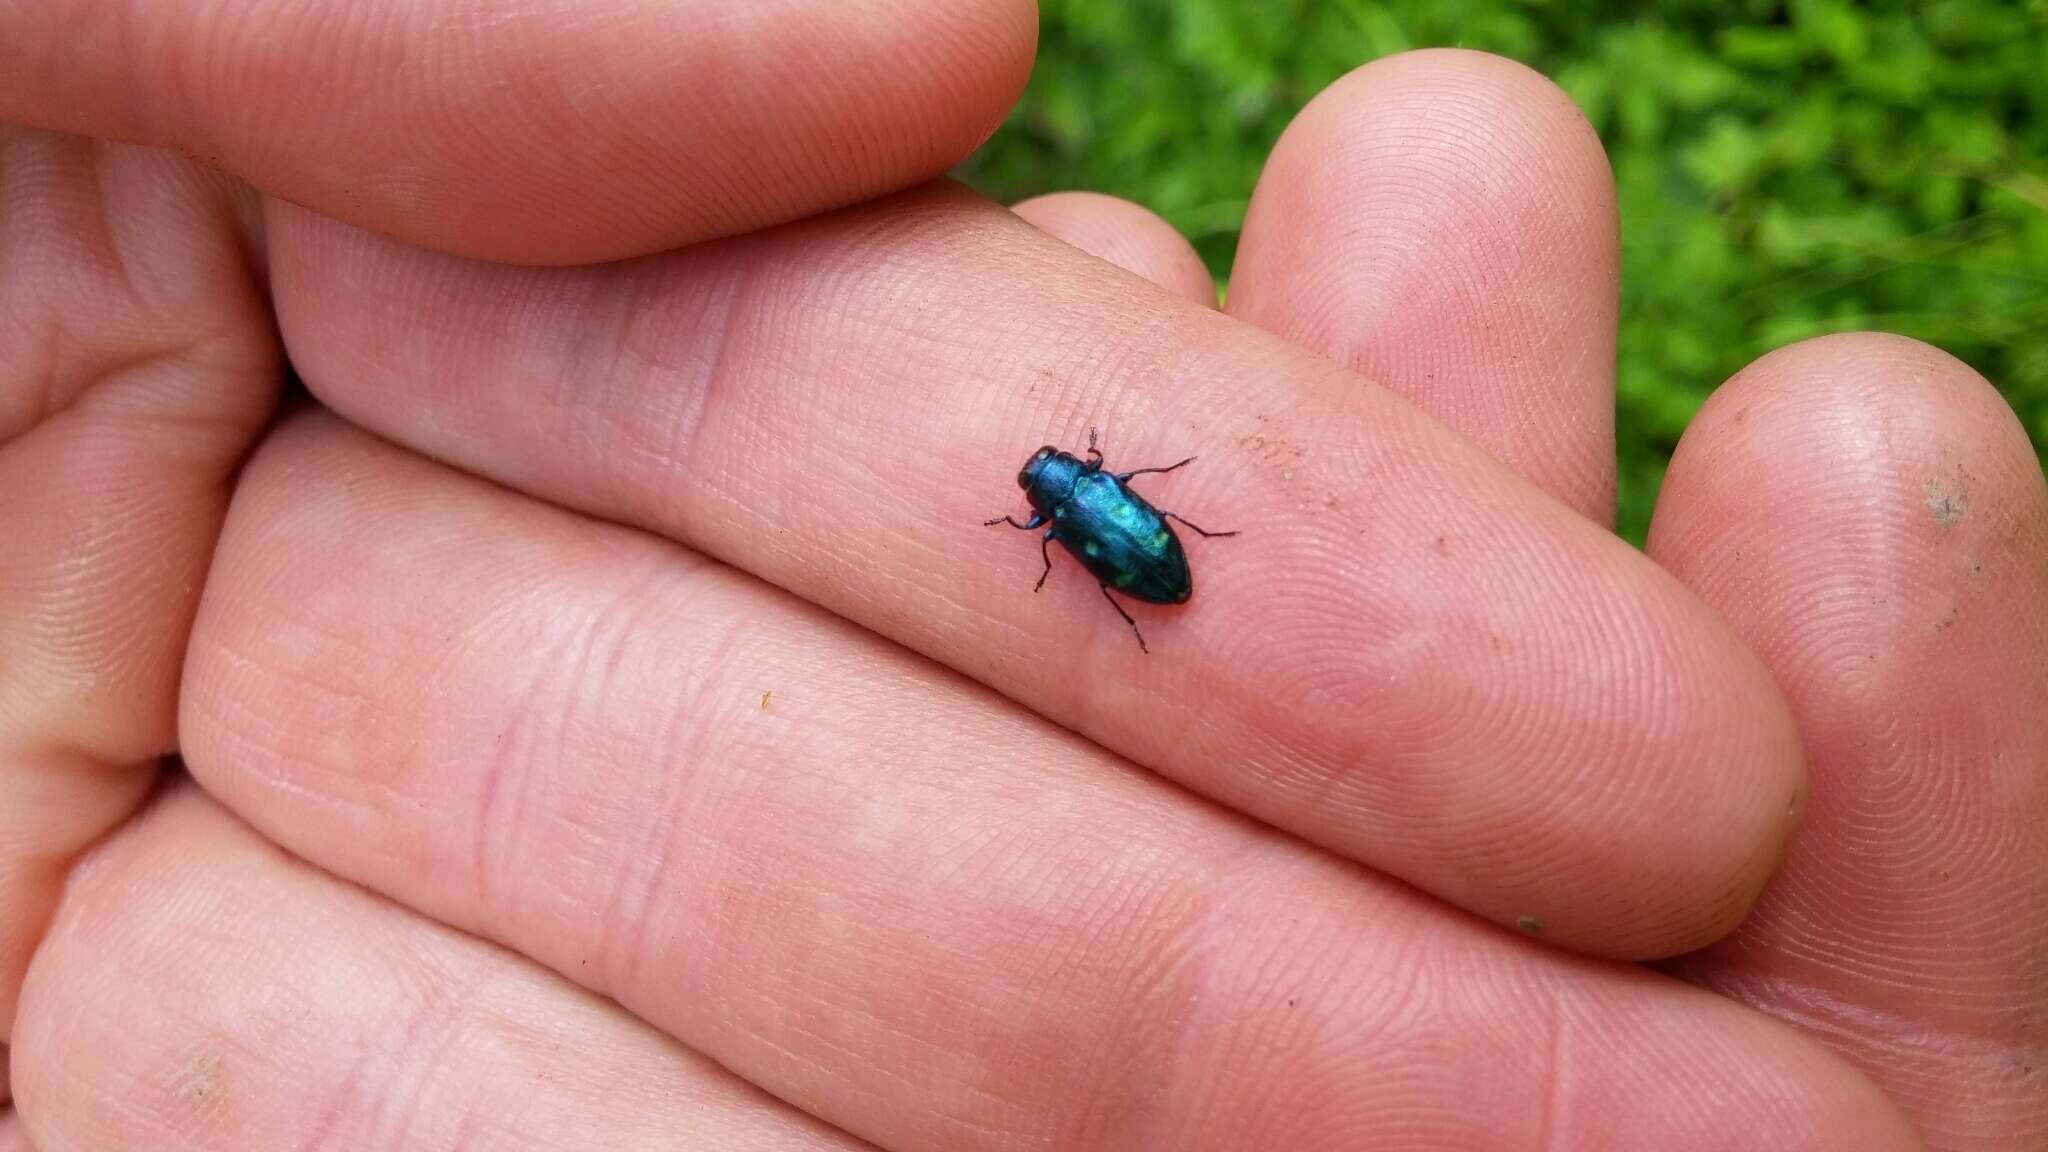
<point x="782" y="840"/>
<point x="138" y="367"/>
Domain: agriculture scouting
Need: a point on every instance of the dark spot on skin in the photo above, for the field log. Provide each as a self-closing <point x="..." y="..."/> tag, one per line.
<point x="1947" y="500"/>
<point x="1530" y="925"/>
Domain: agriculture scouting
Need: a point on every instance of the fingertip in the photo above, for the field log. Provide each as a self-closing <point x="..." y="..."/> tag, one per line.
<point x="1836" y="491"/>
<point x="1444" y="223"/>
<point x="1842" y="425"/>
<point x="1688" y="852"/>
<point x="1127" y="235"/>
<point x="1866" y="509"/>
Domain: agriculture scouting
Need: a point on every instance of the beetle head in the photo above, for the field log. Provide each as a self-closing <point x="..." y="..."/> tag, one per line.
<point x="1035" y="465"/>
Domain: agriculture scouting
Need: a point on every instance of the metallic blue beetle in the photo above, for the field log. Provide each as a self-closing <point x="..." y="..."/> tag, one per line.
<point x="1122" y="540"/>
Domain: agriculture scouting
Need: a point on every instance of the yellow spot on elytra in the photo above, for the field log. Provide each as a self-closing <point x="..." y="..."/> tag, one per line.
<point x="1091" y="548"/>
<point x="1160" y="540"/>
<point x="1125" y="579"/>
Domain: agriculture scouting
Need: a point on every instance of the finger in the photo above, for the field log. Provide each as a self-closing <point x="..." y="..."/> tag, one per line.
<point x="136" y="366"/>
<point x="874" y="889"/>
<point x="1129" y="236"/>
<point x="1410" y="656"/>
<point x="555" y="132"/>
<point x="12" y="1139"/>
<point x="1870" y="514"/>
<point x="1443" y="222"/>
<point x="204" y="990"/>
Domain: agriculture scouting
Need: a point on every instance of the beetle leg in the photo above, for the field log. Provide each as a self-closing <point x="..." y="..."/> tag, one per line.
<point x="1037" y="519"/>
<point x="1126" y="476"/>
<point x="1127" y="619"/>
<point x="1045" y="550"/>
<point x="1199" y="530"/>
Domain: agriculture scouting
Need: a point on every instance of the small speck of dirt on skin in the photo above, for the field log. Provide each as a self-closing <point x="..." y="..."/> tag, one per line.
<point x="1947" y="501"/>
<point x="765" y="698"/>
<point x="1531" y="925"/>
<point x="199" y="1078"/>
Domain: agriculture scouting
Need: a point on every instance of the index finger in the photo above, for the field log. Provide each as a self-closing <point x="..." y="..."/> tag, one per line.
<point x="1411" y="656"/>
<point x="556" y="132"/>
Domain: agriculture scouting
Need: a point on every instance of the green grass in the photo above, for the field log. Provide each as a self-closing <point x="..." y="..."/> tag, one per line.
<point x="1784" y="170"/>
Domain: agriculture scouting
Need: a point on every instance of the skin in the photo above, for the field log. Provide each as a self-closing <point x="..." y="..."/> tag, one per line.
<point x="920" y="908"/>
<point x="699" y="118"/>
<point x="1905" y="926"/>
<point x="1126" y="235"/>
<point x="142" y="362"/>
<point x="1441" y="718"/>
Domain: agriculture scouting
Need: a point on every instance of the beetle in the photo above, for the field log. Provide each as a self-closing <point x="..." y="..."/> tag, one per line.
<point x="1120" y="538"/>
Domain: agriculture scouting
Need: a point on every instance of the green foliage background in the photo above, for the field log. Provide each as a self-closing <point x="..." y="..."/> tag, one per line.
<point x="1784" y="169"/>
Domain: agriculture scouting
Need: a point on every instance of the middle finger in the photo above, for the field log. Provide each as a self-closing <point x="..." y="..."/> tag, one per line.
<point x="1411" y="656"/>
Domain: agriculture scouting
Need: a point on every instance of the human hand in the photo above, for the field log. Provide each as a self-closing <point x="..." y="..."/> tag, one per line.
<point x="139" y="360"/>
<point x="867" y="886"/>
<point x="345" y="943"/>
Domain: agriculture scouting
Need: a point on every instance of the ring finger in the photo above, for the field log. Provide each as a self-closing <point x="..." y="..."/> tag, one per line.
<point x="1444" y="223"/>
